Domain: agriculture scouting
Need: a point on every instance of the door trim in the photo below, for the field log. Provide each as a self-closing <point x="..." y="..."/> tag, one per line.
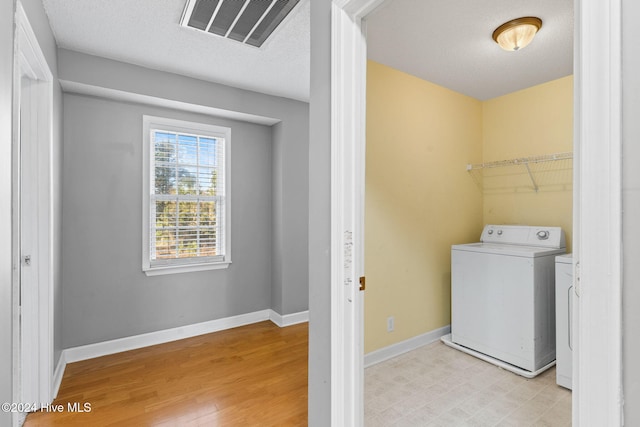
<point x="348" y="106"/>
<point x="597" y="368"/>
<point x="29" y="60"/>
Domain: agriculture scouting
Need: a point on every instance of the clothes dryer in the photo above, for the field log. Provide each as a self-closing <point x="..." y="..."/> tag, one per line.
<point x="564" y="312"/>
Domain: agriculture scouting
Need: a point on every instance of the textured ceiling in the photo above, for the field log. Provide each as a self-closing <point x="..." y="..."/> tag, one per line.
<point x="449" y="43"/>
<point x="446" y="42"/>
<point x="148" y="33"/>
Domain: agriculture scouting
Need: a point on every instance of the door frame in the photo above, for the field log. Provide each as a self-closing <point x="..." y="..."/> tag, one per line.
<point x="597" y="363"/>
<point x="597" y="396"/>
<point x="29" y="60"/>
<point x="348" y="106"/>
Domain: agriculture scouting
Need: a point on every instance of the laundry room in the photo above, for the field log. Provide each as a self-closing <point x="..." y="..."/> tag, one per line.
<point x="420" y="199"/>
<point x="443" y="161"/>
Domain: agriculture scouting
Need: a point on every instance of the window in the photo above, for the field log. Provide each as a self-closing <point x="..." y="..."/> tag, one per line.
<point x="185" y="199"/>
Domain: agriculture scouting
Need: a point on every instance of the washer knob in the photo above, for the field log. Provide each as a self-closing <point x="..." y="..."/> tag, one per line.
<point x="490" y="232"/>
<point x="542" y="235"/>
<point x="499" y="232"/>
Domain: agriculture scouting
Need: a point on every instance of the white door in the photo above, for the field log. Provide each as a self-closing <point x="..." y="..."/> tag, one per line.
<point x="28" y="311"/>
<point x="32" y="206"/>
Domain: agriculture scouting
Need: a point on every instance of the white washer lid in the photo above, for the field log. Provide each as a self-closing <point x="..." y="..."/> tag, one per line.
<point x="511" y="250"/>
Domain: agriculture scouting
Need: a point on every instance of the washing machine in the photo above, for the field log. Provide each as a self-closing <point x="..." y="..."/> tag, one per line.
<point x="503" y="297"/>
<point x="564" y="312"/>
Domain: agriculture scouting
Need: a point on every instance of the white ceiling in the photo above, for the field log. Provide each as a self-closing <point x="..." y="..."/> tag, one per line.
<point x="447" y="42"/>
<point x="147" y="33"/>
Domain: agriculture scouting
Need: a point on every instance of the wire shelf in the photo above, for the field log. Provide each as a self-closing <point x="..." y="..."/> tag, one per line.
<point x="539" y="170"/>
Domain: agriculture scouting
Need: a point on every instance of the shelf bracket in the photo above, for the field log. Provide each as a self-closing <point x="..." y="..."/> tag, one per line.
<point x="533" y="181"/>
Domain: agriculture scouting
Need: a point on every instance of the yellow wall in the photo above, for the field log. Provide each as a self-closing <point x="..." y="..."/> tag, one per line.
<point x="533" y="121"/>
<point x="420" y="199"/>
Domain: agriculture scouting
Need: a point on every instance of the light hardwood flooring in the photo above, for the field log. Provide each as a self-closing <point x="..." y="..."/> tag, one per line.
<point x="255" y="375"/>
<point x="436" y="385"/>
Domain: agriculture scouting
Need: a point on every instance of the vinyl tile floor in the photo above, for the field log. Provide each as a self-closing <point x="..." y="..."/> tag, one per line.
<point x="436" y="385"/>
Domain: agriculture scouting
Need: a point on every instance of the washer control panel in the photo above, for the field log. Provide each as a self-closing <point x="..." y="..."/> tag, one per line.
<point x="527" y="235"/>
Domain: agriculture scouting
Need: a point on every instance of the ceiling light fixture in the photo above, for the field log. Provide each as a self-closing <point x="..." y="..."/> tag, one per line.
<point x="517" y="33"/>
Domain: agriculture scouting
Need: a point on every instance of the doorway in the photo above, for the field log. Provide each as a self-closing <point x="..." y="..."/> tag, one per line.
<point x="32" y="221"/>
<point x="597" y="120"/>
<point x="426" y="126"/>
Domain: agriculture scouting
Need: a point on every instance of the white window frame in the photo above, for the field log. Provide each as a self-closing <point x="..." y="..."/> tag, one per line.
<point x="180" y="126"/>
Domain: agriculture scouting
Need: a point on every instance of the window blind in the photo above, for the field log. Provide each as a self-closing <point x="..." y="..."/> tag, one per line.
<point x="187" y="198"/>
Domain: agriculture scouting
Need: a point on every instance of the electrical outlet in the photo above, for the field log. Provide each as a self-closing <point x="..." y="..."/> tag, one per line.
<point x="390" y="322"/>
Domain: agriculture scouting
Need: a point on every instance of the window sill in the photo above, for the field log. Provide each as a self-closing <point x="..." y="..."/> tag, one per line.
<point x="188" y="268"/>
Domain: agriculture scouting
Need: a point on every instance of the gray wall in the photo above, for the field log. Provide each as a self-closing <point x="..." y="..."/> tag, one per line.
<point x="6" y="83"/>
<point x="319" y="217"/>
<point x="631" y="210"/>
<point x="290" y="164"/>
<point x="290" y="142"/>
<point x="106" y="294"/>
<point x="278" y="216"/>
<point x="287" y="272"/>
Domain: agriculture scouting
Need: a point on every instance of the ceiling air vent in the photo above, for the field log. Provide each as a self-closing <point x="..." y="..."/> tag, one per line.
<point x="247" y="21"/>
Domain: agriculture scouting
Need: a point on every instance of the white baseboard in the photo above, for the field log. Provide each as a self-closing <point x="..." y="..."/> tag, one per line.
<point x="58" y="374"/>
<point x="397" y="349"/>
<point x="90" y="351"/>
<point x="288" y="319"/>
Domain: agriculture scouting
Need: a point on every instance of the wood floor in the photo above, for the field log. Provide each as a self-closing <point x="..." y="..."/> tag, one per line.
<point x="254" y="375"/>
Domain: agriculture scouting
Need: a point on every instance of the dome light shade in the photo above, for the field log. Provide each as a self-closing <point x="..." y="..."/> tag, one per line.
<point x="518" y="33"/>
